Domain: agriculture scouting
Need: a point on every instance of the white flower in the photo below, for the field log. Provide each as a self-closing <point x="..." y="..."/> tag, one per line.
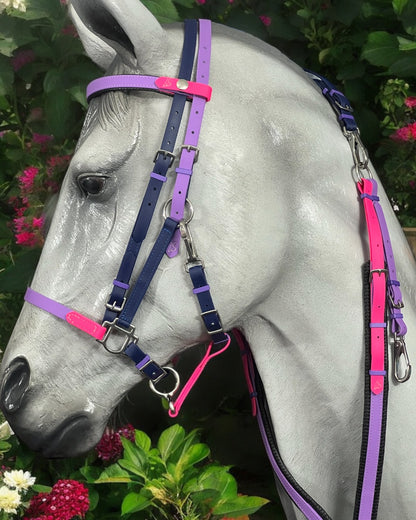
<point x="20" y="5"/>
<point x="5" y="430"/>
<point x="19" y="479"/>
<point x="9" y="499"/>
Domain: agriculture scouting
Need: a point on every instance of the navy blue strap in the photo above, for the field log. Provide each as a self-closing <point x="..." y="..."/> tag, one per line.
<point x="148" y="271"/>
<point x="163" y="160"/>
<point x="338" y="101"/>
<point x="209" y="313"/>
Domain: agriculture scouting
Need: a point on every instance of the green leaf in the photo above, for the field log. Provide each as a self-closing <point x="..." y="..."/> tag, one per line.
<point x="239" y="506"/>
<point x="41" y="489"/>
<point x="163" y="10"/>
<point x="142" y="440"/>
<point x="134" y="502"/>
<point x="399" y="5"/>
<point x="17" y="277"/>
<point x="78" y="94"/>
<point x="58" y="113"/>
<point x="113" y="474"/>
<point x="214" y="477"/>
<point x="346" y="12"/>
<point x="381" y="49"/>
<point x="134" y="454"/>
<point x="170" y="440"/>
<point x="6" y="76"/>
<point x="54" y="80"/>
<point x="405" y="44"/>
<point x="5" y="446"/>
<point x="195" y="453"/>
<point x="404" y="67"/>
<point x="132" y="468"/>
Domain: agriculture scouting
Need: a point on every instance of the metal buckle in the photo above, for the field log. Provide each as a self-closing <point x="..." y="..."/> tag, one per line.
<point x="189" y="147"/>
<point x="165" y="153"/>
<point x="112" y="327"/>
<point x="211" y="332"/>
<point x="116" y="308"/>
<point x="378" y="271"/>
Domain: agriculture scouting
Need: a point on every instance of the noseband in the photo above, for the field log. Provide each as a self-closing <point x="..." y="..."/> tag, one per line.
<point x="117" y="334"/>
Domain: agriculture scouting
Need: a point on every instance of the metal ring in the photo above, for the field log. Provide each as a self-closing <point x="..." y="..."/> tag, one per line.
<point x="167" y="206"/>
<point x="167" y="395"/>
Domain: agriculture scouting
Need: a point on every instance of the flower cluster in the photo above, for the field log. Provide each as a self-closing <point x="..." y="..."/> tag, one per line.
<point x="110" y="448"/>
<point x="35" y="185"/>
<point x="67" y="499"/>
<point x="19" y="5"/>
<point x="15" y="484"/>
<point x="397" y="151"/>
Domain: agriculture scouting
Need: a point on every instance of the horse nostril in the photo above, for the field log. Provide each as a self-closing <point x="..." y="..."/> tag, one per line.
<point x="15" y="384"/>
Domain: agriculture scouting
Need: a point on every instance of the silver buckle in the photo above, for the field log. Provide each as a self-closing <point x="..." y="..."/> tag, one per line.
<point x="189" y="147"/>
<point x="112" y="326"/>
<point x="116" y="308"/>
<point x="219" y="319"/>
<point x="165" y="153"/>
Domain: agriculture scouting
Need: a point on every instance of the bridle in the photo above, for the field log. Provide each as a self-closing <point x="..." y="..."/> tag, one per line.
<point x="117" y="334"/>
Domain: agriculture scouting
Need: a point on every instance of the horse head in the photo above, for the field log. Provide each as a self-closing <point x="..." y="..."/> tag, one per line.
<point x="278" y="223"/>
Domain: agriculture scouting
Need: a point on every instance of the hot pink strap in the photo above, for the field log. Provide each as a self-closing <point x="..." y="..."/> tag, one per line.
<point x="378" y="285"/>
<point x="177" y="404"/>
<point x="74" y="318"/>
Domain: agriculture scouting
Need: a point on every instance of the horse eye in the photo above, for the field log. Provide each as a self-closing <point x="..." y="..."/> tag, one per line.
<point x="92" y="184"/>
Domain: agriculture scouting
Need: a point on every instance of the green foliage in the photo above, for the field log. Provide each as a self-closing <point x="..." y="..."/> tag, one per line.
<point x="173" y="480"/>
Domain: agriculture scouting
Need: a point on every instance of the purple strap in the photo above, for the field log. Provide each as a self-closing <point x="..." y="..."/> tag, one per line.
<point x="189" y="153"/>
<point x="395" y="300"/>
<point x="123" y="82"/>
<point x="372" y="456"/>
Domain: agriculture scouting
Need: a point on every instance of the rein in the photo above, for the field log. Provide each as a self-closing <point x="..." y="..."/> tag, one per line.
<point x="117" y="334"/>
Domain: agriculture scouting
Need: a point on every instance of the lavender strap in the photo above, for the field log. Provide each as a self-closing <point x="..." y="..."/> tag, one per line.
<point x="189" y="149"/>
<point x="123" y="82"/>
<point x="395" y="301"/>
<point x="47" y="304"/>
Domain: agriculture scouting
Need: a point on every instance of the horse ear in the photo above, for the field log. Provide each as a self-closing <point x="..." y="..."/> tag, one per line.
<point x="123" y="27"/>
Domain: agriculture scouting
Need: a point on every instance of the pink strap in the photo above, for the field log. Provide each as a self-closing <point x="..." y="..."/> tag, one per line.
<point x="177" y="404"/>
<point x="136" y="81"/>
<point x="378" y="286"/>
<point x="74" y="318"/>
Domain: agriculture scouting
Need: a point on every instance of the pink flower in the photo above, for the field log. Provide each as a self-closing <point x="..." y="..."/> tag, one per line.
<point x="410" y="102"/>
<point x="110" y="448"/>
<point x="27" y="179"/>
<point x="412" y="184"/>
<point x="22" y="58"/>
<point x="67" y="499"/>
<point x="402" y="134"/>
<point x="266" y="20"/>
<point x="70" y="30"/>
<point x="38" y="222"/>
<point x="201" y="2"/>
<point x="41" y="138"/>
<point x="26" y="238"/>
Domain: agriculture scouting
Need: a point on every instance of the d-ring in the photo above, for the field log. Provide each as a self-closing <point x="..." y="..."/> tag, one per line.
<point x="167" y="207"/>
<point x="167" y="395"/>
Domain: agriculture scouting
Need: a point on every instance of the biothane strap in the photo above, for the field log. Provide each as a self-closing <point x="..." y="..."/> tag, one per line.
<point x="163" y="160"/>
<point x="65" y="313"/>
<point x="372" y="454"/>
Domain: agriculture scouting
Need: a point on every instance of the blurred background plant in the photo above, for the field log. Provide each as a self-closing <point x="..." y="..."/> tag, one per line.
<point x="366" y="47"/>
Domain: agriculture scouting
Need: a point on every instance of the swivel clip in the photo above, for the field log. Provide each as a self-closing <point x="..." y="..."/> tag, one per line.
<point x="359" y="154"/>
<point x="402" y="366"/>
<point x="192" y="257"/>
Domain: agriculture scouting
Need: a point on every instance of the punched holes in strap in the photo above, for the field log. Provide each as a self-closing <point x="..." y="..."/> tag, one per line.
<point x="163" y="161"/>
<point x="144" y="363"/>
<point x="209" y="314"/>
